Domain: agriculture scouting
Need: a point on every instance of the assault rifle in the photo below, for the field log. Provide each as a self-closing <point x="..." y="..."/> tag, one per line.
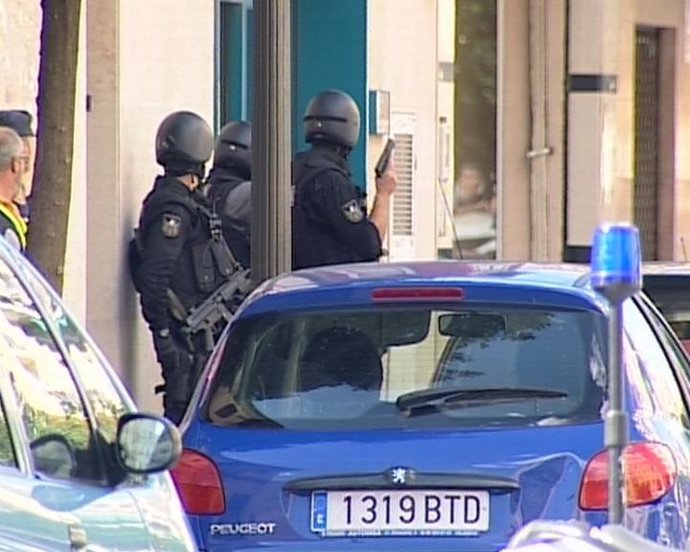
<point x="218" y="308"/>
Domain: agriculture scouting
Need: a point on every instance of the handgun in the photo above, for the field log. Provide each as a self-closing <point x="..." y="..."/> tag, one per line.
<point x="384" y="158"/>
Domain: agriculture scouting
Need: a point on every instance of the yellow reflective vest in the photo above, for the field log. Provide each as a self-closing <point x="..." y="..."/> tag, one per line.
<point x="12" y="226"/>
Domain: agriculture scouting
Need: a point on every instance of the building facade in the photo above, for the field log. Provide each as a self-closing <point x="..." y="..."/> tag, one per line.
<point x="580" y="114"/>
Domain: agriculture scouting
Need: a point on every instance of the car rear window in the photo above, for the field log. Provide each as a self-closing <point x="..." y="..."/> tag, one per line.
<point x="411" y="368"/>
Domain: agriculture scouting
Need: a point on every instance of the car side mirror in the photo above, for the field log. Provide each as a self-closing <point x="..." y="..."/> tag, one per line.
<point x="147" y="443"/>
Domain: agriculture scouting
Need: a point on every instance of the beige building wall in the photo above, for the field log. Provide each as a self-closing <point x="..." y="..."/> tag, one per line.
<point x="403" y="59"/>
<point x="137" y="74"/>
<point x="682" y="146"/>
<point x="600" y="140"/>
<point x="20" y="29"/>
<point x="595" y="154"/>
<point x="20" y="32"/>
<point x="675" y="17"/>
<point x="142" y="67"/>
<point x="513" y="130"/>
<point x="446" y="137"/>
<point x="602" y="126"/>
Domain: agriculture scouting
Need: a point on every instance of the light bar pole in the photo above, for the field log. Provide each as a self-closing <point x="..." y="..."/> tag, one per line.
<point x="617" y="275"/>
<point x="271" y="236"/>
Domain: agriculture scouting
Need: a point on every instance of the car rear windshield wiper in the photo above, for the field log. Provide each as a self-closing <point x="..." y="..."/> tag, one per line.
<point x="435" y="399"/>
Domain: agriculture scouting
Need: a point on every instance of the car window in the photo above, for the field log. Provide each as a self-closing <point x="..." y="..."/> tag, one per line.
<point x="106" y="402"/>
<point x="368" y="369"/>
<point x="50" y="405"/>
<point x="670" y="295"/>
<point x="650" y="368"/>
<point x="672" y="348"/>
<point x="7" y="454"/>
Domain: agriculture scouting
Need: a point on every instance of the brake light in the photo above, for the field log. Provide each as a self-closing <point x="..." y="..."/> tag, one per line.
<point x="649" y="471"/>
<point x="417" y="294"/>
<point x="199" y="484"/>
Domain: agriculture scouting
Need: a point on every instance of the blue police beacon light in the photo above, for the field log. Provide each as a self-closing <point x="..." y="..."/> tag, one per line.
<point x="616" y="261"/>
<point x="617" y="275"/>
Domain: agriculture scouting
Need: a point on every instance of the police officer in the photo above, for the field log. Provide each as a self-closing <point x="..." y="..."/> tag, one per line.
<point x="330" y="224"/>
<point x="176" y="270"/>
<point x="12" y="225"/>
<point x="229" y="188"/>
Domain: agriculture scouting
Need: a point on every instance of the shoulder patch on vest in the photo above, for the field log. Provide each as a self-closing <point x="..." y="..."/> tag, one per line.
<point x="353" y="211"/>
<point x="171" y="225"/>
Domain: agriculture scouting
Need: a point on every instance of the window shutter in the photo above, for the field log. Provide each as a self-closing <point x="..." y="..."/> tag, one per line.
<point x="402" y="198"/>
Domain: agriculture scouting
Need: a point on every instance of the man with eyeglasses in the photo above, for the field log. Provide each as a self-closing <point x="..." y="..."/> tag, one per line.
<point x="12" y="167"/>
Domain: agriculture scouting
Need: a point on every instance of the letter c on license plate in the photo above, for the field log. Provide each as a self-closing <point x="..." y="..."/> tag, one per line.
<point x="398" y="512"/>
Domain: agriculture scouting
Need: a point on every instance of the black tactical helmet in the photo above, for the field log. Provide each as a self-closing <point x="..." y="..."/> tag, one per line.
<point x="234" y="148"/>
<point x="332" y="115"/>
<point x="183" y="138"/>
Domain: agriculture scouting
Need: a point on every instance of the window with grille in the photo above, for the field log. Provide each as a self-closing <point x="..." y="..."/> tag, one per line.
<point x="402" y="198"/>
<point x="646" y="190"/>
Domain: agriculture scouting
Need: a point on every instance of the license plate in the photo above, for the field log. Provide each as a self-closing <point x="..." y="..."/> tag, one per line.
<point x="399" y="512"/>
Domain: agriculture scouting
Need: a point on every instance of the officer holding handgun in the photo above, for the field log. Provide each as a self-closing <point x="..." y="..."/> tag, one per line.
<point x="329" y="220"/>
<point x="181" y="258"/>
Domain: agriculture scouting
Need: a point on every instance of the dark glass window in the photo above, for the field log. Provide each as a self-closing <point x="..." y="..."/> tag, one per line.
<point x="411" y="368"/>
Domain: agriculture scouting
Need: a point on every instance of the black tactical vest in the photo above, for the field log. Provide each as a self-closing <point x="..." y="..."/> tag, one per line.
<point x="205" y="262"/>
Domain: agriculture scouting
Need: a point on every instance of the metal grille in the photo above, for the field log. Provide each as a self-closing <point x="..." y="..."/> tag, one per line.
<point x="646" y="140"/>
<point x="402" y="198"/>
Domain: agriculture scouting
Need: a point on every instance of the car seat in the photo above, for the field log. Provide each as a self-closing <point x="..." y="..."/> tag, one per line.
<point x="341" y="369"/>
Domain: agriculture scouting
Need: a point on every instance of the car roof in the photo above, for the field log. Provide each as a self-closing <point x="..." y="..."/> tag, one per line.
<point x="354" y="282"/>
<point x="366" y="274"/>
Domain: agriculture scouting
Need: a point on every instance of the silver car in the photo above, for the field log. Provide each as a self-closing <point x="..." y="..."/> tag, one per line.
<point x="80" y="469"/>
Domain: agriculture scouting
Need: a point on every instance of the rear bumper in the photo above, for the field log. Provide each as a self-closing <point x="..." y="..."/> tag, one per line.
<point x="338" y="544"/>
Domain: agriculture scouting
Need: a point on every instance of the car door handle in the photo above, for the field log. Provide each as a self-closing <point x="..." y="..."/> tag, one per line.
<point x="77" y="538"/>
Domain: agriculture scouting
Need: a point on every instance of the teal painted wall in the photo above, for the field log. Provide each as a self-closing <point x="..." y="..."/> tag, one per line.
<point x="232" y="62"/>
<point x="236" y="58"/>
<point x="329" y="43"/>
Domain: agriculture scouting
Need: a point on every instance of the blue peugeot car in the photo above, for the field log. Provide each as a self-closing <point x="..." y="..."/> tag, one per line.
<point x="429" y="405"/>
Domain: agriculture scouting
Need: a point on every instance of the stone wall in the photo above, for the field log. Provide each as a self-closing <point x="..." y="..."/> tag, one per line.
<point x="20" y="27"/>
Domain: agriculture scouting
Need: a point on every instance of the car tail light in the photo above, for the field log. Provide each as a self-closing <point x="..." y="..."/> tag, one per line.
<point x="417" y="294"/>
<point x="649" y="471"/>
<point x="199" y="484"/>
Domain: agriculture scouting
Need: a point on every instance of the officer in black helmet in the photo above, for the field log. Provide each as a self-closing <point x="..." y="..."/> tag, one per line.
<point x="176" y="270"/>
<point x="330" y="224"/>
<point x="229" y="189"/>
